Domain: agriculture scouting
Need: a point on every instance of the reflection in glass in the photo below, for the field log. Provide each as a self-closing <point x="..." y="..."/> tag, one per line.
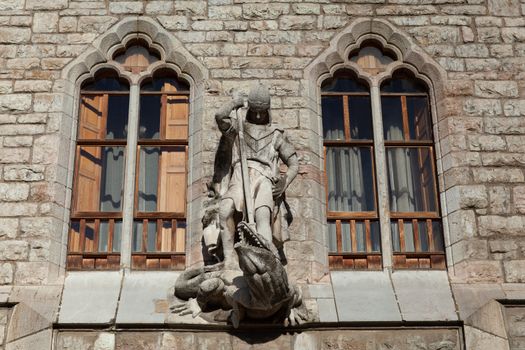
<point x="333" y="118"/>
<point x="344" y="81"/>
<point x="106" y="80"/>
<point x="350" y="179"/>
<point x="419" y="118"/>
<point x="165" y="84"/>
<point x="117" y="124"/>
<point x="392" y="117"/>
<point x="411" y="179"/>
<point x="99" y="180"/>
<point x="360" y="117"/>
<point x="149" y="127"/>
<point x="332" y="237"/>
<point x="162" y="179"/>
<point x="404" y="82"/>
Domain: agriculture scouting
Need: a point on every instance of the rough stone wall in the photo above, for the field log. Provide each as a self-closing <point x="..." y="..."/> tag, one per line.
<point x="480" y="44"/>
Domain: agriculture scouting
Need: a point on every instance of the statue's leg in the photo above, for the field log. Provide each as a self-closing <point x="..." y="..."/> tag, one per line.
<point x="227" y="225"/>
<point x="263" y="220"/>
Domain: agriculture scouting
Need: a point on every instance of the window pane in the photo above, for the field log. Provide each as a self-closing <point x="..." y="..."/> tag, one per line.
<point x="99" y="179"/>
<point x="403" y="82"/>
<point x="165" y="84"/>
<point x="344" y="81"/>
<point x="162" y="179"/>
<point x="360" y="117"/>
<point x="392" y="117"/>
<point x="346" y="239"/>
<point x="108" y="83"/>
<point x="149" y="127"/>
<point x="333" y="118"/>
<point x="411" y="179"/>
<point x="437" y="235"/>
<point x="117" y="124"/>
<point x="419" y="118"/>
<point x="350" y="179"/>
<point x="332" y="237"/>
<point x="176" y="119"/>
<point x="375" y="235"/>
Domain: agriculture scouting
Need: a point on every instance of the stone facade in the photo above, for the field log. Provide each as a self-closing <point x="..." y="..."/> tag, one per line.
<point x="473" y="51"/>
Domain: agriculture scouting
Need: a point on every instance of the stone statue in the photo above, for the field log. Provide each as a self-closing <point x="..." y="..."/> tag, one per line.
<point x="243" y="219"/>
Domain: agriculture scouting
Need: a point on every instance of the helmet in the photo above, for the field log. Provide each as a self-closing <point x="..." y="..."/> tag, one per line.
<point x="259" y="98"/>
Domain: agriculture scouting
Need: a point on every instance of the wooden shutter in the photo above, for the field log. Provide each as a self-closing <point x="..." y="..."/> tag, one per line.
<point x="172" y="180"/>
<point x="176" y="117"/>
<point x="93" y="115"/>
<point x="88" y="179"/>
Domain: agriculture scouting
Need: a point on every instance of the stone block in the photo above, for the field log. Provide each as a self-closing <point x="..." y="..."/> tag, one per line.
<point x="14" y="250"/>
<point x="90" y="297"/>
<point x="514" y="271"/>
<point x="6" y="273"/>
<point x="9" y="5"/>
<point x="496" y="89"/>
<point x="40" y="340"/>
<point x="479" y="340"/>
<point x="15" y="102"/>
<point x="320" y="291"/>
<point x="364" y="296"/>
<point x="142" y="293"/>
<point x="424" y="295"/>
<point x="46" y="4"/>
<point x="126" y="7"/>
<point x="490" y="319"/>
<point x="471" y="297"/>
<point x="256" y="11"/>
<point x="504" y="7"/>
<point x="478" y="271"/>
<point x="45" y="22"/>
<point x="327" y="310"/>
<point x="24" y="321"/>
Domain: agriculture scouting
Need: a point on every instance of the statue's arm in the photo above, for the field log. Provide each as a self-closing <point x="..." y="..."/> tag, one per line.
<point x="289" y="157"/>
<point x="223" y="118"/>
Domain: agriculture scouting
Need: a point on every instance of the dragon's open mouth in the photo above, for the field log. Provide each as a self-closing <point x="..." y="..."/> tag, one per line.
<point x="248" y="237"/>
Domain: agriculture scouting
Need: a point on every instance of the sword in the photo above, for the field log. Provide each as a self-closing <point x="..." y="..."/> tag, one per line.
<point x="248" y="201"/>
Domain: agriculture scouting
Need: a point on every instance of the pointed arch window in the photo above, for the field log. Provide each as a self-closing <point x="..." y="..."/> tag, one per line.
<point x="129" y="186"/>
<point x="382" y="197"/>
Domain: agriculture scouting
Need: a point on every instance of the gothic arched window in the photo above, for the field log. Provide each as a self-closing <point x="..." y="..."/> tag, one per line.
<point x="382" y="198"/>
<point x="130" y="179"/>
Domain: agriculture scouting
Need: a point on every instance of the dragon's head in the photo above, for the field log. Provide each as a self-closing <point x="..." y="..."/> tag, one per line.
<point x="256" y="254"/>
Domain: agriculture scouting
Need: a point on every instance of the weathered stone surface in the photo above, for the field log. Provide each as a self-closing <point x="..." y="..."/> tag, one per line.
<point x="142" y="293"/>
<point x="84" y="292"/>
<point x="424" y="295"/>
<point x="45" y="22"/>
<point x="476" y="339"/>
<point x="373" y="301"/>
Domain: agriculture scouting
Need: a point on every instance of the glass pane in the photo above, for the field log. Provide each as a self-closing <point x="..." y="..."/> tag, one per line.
<point x="344" y="81"/>
<point x="419" y="118"/>
<point x="332" y="237"/>
<point x="345" y="236"/>
<point x="89" y="238"/>
<point x="103" y="236"/>
<point x="360" y="117"/>
<point x="375" y="235"/>
<point x="136" y="58"/>
<point x="411" y="179"/>
<point x="396" y="242"/>
<point x="409" y="236"/>
<point x="74" y="237"/>
<point x="392" y="117"/>
<point x="117" y="236"/>
<point x="404" y="81"/>
<point x="360" y="236"/>
<point x="136" y="243"/>
<point x="149" y="125"/>
<point x="117" y="125"/>
<point x="437" y="234"/>
<point x="350" y="179"/>
<point x="166" y="84"/>
<point x="162" y="179"/>
<point x="333" y="118"/>
<point x="423" y="235"/>
<point x="106" y="80"/>
<point x="100" y="179"/>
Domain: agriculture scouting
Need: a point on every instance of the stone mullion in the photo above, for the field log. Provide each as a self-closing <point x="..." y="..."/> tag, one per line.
<point x="129" y="178"/>
<point x="382" y="176"/>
